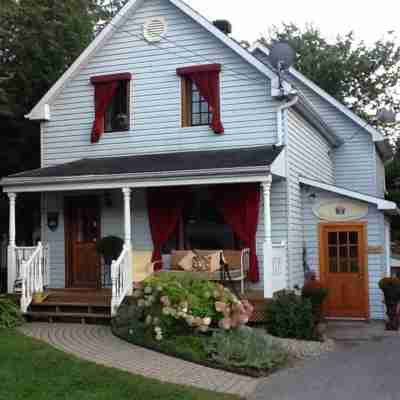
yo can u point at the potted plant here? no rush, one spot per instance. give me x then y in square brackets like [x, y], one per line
[391, 291]
[316, 292]
[39, 297]
[110, 248]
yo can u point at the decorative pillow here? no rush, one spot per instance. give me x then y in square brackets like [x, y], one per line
[186, 263]
[215, 264]
[201, 263]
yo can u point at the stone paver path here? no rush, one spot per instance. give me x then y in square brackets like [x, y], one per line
[98, 344]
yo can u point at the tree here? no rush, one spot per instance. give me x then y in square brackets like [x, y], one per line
[39, 40]
[363, 77]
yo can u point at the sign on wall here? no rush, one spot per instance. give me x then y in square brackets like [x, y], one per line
[340, 210]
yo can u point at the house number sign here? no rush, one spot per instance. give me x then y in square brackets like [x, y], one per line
[342, 210]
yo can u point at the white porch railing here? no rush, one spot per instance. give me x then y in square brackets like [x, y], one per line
[32, 277]
[276, 273]
[121, 277]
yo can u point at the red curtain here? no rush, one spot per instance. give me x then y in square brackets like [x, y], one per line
[206, 78]
[105, 87]
[240, 206]
[165, 208]
[103, 93]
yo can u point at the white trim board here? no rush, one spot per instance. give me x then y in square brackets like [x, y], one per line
[382, 204]
[42, 110]
[376, 135]
[132, 183]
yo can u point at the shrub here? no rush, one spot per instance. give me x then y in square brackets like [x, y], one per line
[10, 315]
[110, 248]
[316, 293]
[290, 316]
[390, 288]
[173, 304]
[245, 348]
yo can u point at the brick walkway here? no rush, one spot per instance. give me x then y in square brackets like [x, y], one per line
[98, 344]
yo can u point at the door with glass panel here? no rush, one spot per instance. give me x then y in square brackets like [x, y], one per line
[344, 269]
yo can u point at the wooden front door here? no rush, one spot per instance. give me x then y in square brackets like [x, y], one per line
[82, 231]
[344, 269]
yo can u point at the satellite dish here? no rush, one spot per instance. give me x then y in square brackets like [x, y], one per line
[282, 56]
[386, 116]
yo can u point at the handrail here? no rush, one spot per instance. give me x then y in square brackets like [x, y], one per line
[32, 277]
[121, 277]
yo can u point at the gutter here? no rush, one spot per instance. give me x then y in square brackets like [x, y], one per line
[238, 171]
[281, 130]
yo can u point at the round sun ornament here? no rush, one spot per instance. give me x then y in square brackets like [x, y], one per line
[154, 29]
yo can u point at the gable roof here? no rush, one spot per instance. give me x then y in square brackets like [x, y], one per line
[41, 111]
[146, 169]
[381, 204]
[375, 134]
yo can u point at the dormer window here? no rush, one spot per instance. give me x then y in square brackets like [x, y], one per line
[111, 104]
[201, 96]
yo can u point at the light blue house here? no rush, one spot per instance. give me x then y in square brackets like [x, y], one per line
[169, 134]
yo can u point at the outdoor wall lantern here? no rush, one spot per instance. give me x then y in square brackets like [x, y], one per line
[52, 221]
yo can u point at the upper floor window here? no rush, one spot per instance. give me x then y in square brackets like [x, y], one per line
[111, 104]
[117, 115]
[201, 96]
[195, 108]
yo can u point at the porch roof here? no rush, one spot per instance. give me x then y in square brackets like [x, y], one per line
[143, 170]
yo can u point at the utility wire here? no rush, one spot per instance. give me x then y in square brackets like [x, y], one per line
[226, 69]
[187, 49]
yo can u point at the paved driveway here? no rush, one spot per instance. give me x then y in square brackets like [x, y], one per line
[370, 371]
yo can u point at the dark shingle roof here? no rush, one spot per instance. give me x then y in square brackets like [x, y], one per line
[159, 163]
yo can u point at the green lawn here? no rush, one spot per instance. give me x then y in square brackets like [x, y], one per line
[31, 370]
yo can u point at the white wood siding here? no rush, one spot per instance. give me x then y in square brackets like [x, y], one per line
[248, 112]
[376, 262]
[380, 176]
[355, 167]
[308, 154]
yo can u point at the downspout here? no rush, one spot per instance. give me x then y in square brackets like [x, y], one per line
[281, 131]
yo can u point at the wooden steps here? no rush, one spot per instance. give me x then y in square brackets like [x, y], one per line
[82, 306]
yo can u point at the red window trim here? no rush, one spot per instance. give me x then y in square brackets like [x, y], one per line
[111, 78]
[198, 68]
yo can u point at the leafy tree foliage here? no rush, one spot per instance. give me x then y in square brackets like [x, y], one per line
[362, 77]
[39, 40]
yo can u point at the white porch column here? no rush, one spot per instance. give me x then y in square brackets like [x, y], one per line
[267, 245]
[127, 217]
[11, 261]
[128, 232]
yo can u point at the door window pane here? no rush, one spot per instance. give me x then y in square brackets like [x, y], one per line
[354, 266]
[333, 265]
[332, 251]
[332, 237]
[343, 252]
[344, 266]
[342, 237]
[353, 251]
[353, 237]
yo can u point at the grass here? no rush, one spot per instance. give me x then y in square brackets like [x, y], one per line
[32, 370]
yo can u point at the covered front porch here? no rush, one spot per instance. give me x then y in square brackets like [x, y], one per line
[76, 214]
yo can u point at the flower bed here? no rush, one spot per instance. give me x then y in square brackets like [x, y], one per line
[199, 321]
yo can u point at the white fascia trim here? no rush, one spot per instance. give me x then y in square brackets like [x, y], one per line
[134, 183]
[382, 204]
[42, 109]
[376, 135]
[109, 181]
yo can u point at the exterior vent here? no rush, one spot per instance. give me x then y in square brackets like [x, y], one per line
[154, 29]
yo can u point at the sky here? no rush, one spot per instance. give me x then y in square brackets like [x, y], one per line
[369, 19]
